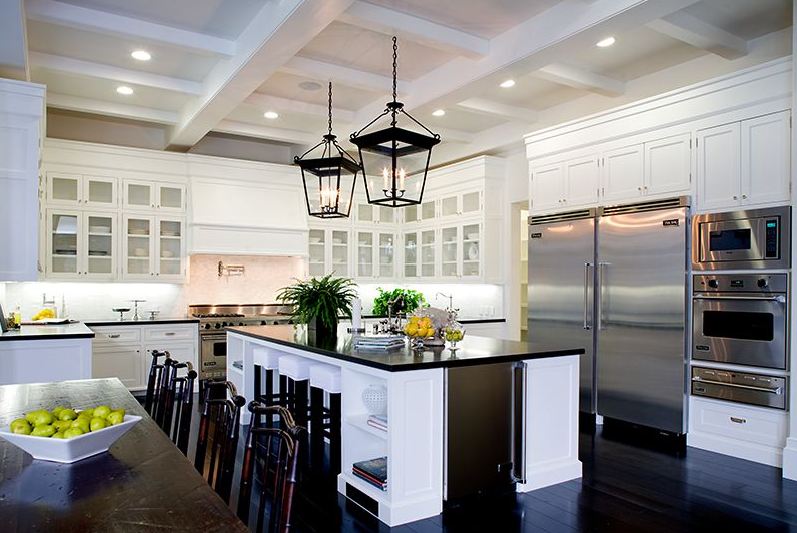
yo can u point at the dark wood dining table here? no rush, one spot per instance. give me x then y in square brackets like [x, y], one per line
[143, 483]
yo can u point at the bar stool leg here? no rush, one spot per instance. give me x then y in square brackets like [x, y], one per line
[269, 396]
[316, 426]
[334, 433]
[284, 392]
[300, 401]
[258, 390]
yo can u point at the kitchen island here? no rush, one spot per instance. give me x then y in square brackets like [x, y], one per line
[498, 411]
[44, 353]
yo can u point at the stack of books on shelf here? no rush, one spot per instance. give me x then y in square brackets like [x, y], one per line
[377, 421]
[379, 342]
[373, 471]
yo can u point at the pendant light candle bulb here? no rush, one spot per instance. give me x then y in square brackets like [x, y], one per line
[402, 175]
[384, 179]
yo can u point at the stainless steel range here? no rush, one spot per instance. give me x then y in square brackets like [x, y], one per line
[214, 319]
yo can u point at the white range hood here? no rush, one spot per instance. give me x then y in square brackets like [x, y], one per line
[245, 208]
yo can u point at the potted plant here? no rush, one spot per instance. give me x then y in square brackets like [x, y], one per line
[397, 301]
[319, 302]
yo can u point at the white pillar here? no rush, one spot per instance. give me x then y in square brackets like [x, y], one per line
[790, 452]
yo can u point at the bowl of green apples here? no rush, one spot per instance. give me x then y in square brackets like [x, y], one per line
[66, 435]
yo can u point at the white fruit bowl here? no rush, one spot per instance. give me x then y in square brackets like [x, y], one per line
[74, 449]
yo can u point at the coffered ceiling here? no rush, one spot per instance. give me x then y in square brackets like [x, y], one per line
[218, 65]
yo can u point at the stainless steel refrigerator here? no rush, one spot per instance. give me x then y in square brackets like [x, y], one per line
[616, 282]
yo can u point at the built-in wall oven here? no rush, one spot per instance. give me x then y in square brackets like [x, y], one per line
[742, 240]
[742, 387]
[741, 319]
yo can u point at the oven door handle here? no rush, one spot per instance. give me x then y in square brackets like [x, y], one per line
[776, 390]
[779, 298]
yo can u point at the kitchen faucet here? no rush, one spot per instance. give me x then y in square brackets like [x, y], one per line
[450, 299]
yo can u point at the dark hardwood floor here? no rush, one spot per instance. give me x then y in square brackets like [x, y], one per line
[629, 484]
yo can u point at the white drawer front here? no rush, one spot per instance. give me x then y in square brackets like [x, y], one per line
[113, 336]
[170, 333]
[758, 425]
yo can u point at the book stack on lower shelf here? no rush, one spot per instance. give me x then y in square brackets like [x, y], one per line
[372, 471]
[377, 421]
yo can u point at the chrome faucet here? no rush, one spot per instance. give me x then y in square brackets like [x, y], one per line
[450, 299]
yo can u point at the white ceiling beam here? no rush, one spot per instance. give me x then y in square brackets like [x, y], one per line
[107, 72]
[391, 22]
[13, 41]
[484, 106]
[275, 103]
[275, 34]
[350, 77]
[547, 38]
[72, 16]
[267, 132]
[111, 109]
[700, 34]
[581, 79]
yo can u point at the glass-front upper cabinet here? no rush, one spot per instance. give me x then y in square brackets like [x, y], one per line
[468, 203]
[100, 192]
[365, 254]
[387, 215]
[411, 255]
[150, 195]
[138, 246]
[139, 195]
[365, 212]
[171, 249]
[340, 252]
[386, 255]
[64, 188]
[171, 198]
[449, 260]
[471, 251]
[428, 253]
[64, 244]
[100, 245]
[72, 189]
[317, 253]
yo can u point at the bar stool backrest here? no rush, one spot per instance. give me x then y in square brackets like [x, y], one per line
[277, 449]
[222, 417]
[178, 404]
[154, 381]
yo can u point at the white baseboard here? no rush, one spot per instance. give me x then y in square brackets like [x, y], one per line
[790, 459]
[537, 478]
[758, 453]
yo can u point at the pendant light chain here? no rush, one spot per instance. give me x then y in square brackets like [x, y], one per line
[330, 108]
[395, 58]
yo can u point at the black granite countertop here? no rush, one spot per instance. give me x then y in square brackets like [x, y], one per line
[48, 332]
[473, 350]
[142, 322]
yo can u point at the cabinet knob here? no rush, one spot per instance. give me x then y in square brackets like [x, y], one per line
[744, 197]
[735, 197]
[639, 189]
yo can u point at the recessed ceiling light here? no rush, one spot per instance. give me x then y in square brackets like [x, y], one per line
[125, 90]
[439, 112]
[309, 86]
[603, 43]
[271, 115]
[507, 84]
[141, 55]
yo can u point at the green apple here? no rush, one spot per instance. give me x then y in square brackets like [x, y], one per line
[87, 412]
[73, 432]
[56, 410]
[19, 422]
[21, 430]
[67, 414]
[61, 425]
[31, 417]
[82, 423]
[98, 423]
[43, 418]
[102, 411]
[116, 417]
[58, 435]
[45, 430]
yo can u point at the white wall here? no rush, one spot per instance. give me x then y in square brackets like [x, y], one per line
[472, 300]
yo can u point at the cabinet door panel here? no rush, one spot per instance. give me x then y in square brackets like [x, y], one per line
[582, 181]
[139, 195]
[317, 252]
[122, 363]
[718, 166]
[668, 165]
[138, 246]
[64, 243]
[547, 187]
[765, 159]
[170, 246]
[64, 189]
[100, 192]
[100, 246]
[623, 173]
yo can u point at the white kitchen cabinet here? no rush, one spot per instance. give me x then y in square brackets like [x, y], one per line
[460, 204]
[765, 159]
[330, 251]
[719, 166]
[100, 235]
[428, 254]
[375, 255]
[125, 363]
[317, 252]
[582, 181]
[376, 214]
[386, 255]
[77, 190]
[139, 195]
[461, 251]
[668, 165]
[81, 245]
[153, 248]
[623, 174]
[450, 251]
[547, 187]
[154, 196]
[412, 252]
[170, 249]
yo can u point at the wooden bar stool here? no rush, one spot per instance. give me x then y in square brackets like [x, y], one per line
[154, 381]
[296, 370]
[325, 421]
[268, 361]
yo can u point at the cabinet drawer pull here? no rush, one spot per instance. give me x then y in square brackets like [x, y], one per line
[736, 420]
[114, 336]
[170, 333]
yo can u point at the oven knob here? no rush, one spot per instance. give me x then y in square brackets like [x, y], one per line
[217, 325]
[762, 283]
[240, 323]
[207, 326]
[263, 323]
[713, 283]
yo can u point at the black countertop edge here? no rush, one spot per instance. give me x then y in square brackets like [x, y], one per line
[142, 322]
[421, 365]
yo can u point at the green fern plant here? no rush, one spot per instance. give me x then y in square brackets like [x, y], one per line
[321, 299]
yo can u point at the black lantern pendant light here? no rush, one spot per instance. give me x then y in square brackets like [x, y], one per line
[397, 159]
[329, 175]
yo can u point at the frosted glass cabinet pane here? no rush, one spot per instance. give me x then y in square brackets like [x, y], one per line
[365, 212]
[170, 243]
[411, 213]
[317, 252]
[448, 206]
[340, 253]
[139, 240]
[427, 210]
[64, 243]
[100, 244]
[100, 192]
[450, 259]
[386, 215]
[471, 250]
[410, 255]
[171, 197]
[365, 254]
[386, 255]
[428, 245]
[139, 194]
[470, 202]
[64, 188]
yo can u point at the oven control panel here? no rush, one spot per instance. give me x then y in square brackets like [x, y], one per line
[771, 238]
[757, 283]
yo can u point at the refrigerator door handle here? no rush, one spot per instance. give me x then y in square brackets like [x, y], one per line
[587, 264]
[599, 289]
[519, 422]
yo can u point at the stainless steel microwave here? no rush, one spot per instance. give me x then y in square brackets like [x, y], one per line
[751, 239]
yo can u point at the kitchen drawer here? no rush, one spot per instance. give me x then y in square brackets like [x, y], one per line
[116, 336]
[170, 333]
[757, 425]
